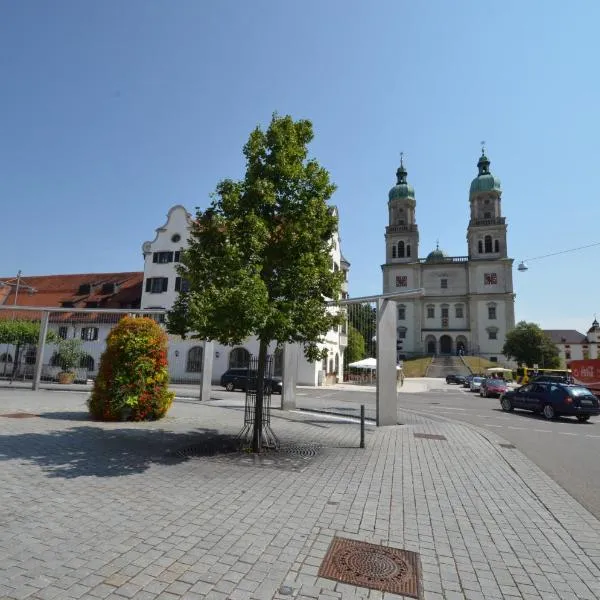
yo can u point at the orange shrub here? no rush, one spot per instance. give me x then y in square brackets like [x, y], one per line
[133, 377]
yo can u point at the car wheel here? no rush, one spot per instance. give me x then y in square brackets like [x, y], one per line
[229, 387]
[506, 405]
[549, 412]
[583, 418]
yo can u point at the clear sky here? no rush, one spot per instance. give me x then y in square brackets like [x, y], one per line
[113, 111]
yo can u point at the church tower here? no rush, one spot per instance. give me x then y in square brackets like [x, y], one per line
[486, 234]
[402, 233]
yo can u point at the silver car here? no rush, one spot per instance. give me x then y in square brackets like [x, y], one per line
[476, 383]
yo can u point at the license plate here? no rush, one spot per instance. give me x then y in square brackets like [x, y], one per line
[585, 402]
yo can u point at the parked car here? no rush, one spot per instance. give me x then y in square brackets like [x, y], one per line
[452, 378]
[237, 379]
[492, 387]
[553, 400]
[476, 383]
[467, 382]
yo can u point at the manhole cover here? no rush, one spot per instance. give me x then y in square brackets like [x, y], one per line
[430, 436]
[372, 566]
[19, 415]
[512, 446]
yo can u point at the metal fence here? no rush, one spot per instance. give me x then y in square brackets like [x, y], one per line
[84, 333]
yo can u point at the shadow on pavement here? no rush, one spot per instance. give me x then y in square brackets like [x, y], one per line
[88, 451]
[536, 417]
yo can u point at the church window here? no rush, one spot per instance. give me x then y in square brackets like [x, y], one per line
[401, 333]
[401, 280]
[459, 311]
[400, 221]
[480, 247]
[496, 245]
[490, 279]
[491, 311]
[488, 244]
[492, 334]
[444, 283]
[431, 312]
[400, 249]
[394, 251]
[487, 215]
[401, 312]
[487, 201]
[408, 250]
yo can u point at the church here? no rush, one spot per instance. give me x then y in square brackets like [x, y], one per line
[468, 305]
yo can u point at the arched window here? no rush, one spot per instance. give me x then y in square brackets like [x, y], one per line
[337, 362]
[278, 362]
[408, 250]
[480, 247]
[239, 358]
[324, 365]
[488, 244]
[496, 245]
[194, 360]
[5, 358]
[394, 251]
[87, 362]
[400, 249]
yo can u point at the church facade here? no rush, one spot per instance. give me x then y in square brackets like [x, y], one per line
[468, 305]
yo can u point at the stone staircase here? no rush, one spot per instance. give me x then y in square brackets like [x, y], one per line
[447, 365]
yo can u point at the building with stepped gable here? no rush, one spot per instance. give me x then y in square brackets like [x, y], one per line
[468, 304]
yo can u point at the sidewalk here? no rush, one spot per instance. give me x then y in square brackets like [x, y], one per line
[122, 510]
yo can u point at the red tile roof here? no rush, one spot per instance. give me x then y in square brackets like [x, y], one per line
[53, 291]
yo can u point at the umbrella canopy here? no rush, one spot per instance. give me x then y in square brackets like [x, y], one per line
[367, 363]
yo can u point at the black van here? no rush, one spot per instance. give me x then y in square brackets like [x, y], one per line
[237, 379]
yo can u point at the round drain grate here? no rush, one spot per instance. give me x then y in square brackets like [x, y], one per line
[373, 564]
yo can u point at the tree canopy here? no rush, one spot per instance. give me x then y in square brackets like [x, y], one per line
[20, 333]
[258, 260]
[528, 345]
[356, 349]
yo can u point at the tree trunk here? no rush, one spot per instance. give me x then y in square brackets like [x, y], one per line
[258, 407]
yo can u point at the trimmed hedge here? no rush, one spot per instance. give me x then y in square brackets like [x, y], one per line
[133, 377]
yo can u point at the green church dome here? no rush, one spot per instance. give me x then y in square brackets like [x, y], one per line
[436, 255]
[402, 189]
[485, 181]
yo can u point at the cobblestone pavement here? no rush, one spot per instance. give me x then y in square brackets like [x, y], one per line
[113, 511]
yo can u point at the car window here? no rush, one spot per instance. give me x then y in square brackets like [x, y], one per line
[526, 389]
[539, 389]
[579, 391]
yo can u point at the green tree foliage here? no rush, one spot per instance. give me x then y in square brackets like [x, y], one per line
[21, 333]
[133, 378]
[69, 354]
[356, 349]
[258, 260]
[529, 345]
[363, 317]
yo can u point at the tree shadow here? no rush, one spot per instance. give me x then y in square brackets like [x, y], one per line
[89, 451]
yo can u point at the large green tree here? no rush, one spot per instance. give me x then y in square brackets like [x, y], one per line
[356, 349]
[259, 257]
[363, 318]
[529, 345]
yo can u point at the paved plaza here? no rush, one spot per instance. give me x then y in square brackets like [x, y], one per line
[150, 511]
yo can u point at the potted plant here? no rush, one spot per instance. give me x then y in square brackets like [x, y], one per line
[68, 356]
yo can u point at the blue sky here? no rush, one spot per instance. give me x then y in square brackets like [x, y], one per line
[113, 111]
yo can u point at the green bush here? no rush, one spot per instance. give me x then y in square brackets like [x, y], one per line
[133, 377]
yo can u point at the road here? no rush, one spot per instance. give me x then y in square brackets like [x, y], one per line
[568, 451]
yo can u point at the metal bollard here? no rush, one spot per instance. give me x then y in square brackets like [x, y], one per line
[362, 425]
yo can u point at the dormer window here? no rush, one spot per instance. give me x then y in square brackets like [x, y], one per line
[84, 289]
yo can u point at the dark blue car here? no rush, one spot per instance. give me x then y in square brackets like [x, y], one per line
[552, 400]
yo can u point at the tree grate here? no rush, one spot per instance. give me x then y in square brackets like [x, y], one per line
[430, 436]
[373, 566]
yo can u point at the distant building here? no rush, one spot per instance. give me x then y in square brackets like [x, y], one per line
[573, 345]
[468, 304]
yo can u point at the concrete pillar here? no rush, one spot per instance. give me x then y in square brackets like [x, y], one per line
[387, 398]
[208, 352]
[39, 357]
[291, 354]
